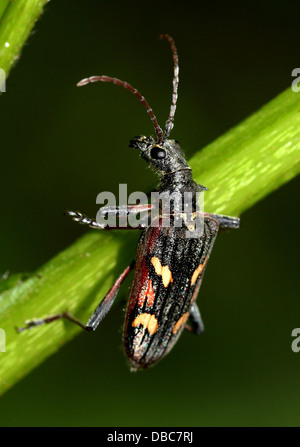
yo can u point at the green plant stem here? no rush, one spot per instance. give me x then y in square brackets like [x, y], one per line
[240, 168]
[17, 19]
[252, 159]
[3, 6]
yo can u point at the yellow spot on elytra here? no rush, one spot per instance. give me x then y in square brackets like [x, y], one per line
[197, 272]
[162, 271]
[148, 321]
[157, 265]
[180, 322]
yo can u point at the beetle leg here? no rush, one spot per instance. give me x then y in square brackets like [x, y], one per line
[85, 220]
[118, 211]
[124, 210]
[197, 326]
[225, 221]
[96, 317]
[107, 302]
[39, 321]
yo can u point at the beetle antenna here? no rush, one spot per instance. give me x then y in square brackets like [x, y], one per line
[133, 90]
[170, 120]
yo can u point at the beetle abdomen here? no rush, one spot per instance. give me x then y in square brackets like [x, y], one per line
[169, 268]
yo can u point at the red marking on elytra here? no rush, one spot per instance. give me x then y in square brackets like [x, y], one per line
[141, 278]
[150, 294]
[141, 300]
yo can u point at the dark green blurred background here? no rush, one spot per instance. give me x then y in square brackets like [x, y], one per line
[61, 146]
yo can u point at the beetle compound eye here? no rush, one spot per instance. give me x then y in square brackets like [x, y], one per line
[157, 153]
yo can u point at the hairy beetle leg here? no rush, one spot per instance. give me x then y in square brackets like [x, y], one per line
[121, 211]
[96, 317]
[197, 326]
[39, 321]
[225, 221]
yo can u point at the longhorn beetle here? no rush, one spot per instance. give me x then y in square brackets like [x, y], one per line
[169, 266]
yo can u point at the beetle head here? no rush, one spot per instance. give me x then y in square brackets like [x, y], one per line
[165, 157]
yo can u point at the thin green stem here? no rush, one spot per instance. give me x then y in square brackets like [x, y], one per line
[17, 19]
[252, 159]
[3, 6]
